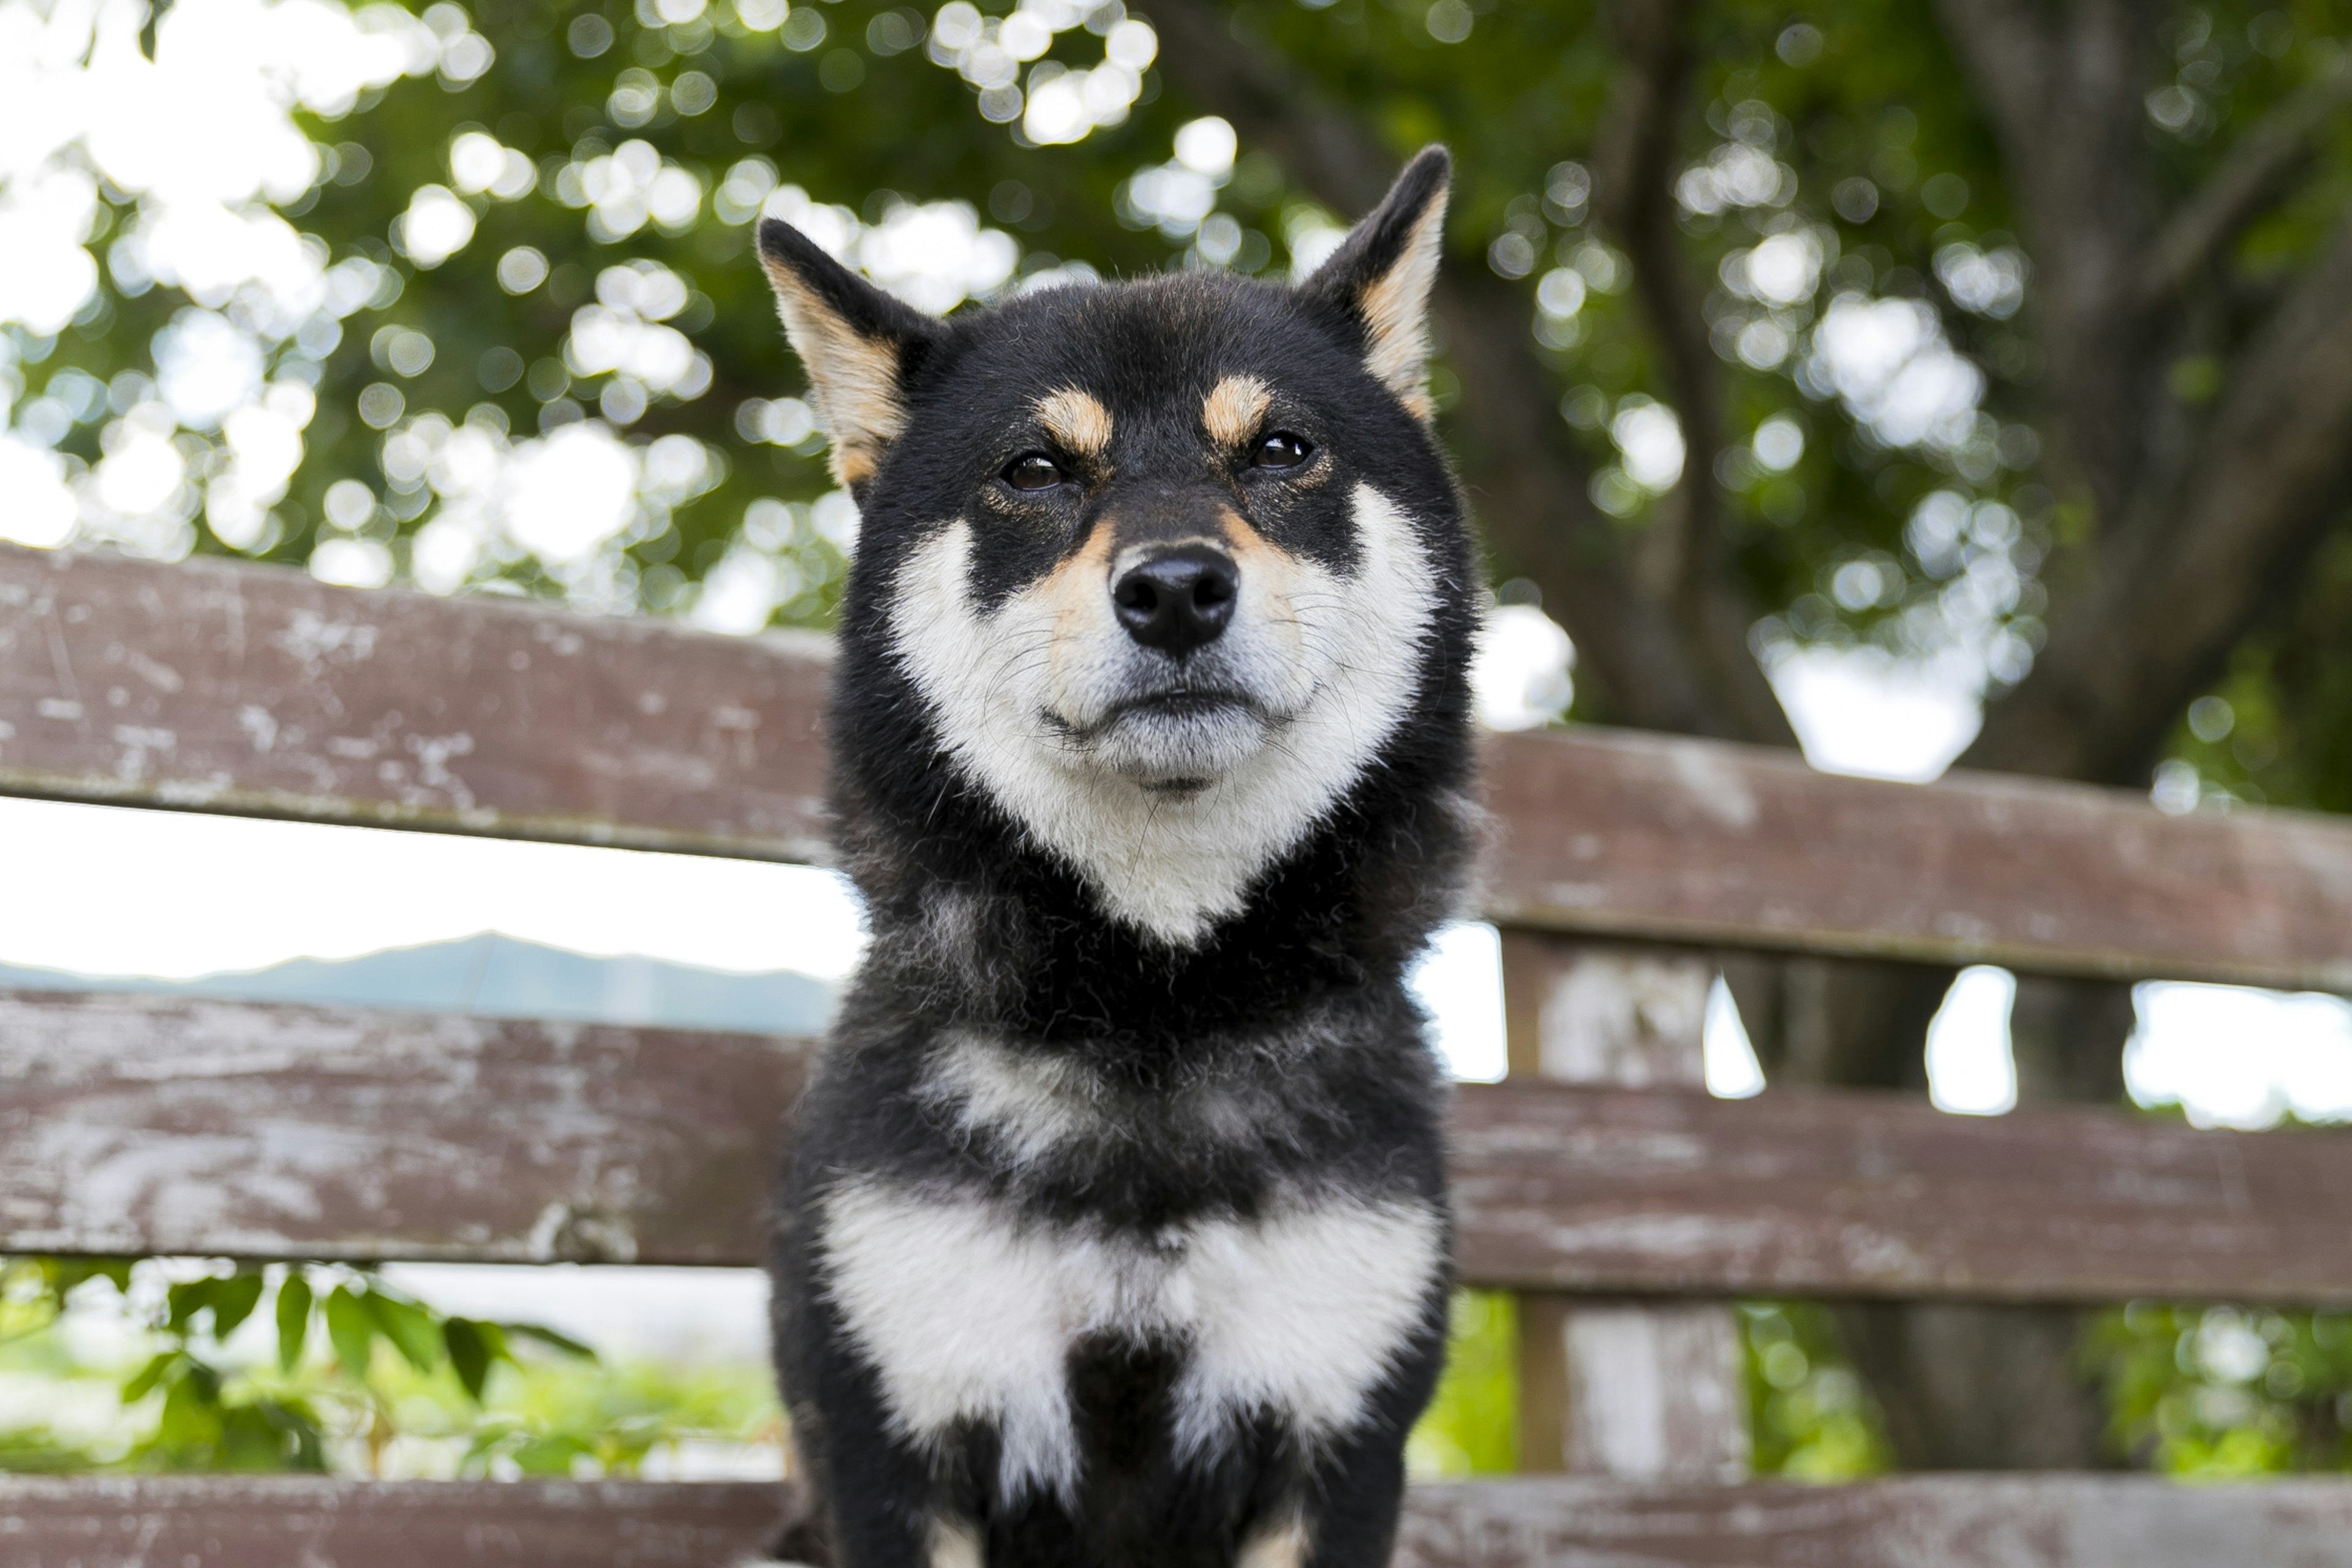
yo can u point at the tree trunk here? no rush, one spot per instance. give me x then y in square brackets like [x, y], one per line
[1967, 1388]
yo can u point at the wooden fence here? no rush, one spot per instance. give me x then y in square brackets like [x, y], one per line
[1624, 1204]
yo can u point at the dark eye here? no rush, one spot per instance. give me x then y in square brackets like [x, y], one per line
[1033, 471]
[1280, 451]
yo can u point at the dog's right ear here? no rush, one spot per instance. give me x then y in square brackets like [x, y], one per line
[1378, 282]
[859, 344]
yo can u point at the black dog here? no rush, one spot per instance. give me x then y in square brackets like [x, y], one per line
[1115, 1231]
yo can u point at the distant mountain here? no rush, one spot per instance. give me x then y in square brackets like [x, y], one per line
[495, 976]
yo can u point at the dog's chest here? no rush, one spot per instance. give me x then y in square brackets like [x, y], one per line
[970, 1314]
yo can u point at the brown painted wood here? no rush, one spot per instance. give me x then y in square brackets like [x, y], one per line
[1939, 1521]
[1823, 1192]
[1950, 1521]
[1640, 835]
[1651, 1390]
[256, 689]
[286, 1521]
[245, 689]
[144, 1124]
[133, 1124]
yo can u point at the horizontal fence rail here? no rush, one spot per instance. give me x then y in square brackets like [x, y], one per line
[254, 689]
[139, 1124]
[257, 690]
[1951, 1521]
[1855, 1193]
[133, 1124]
[1622, 833]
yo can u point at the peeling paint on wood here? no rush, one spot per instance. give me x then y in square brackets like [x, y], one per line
[1950, 1521]
[138, 1123]
[237, 687]
[1853, 1194]
[251, 689]
[1919, 1521]
[287, 1522]
[1642, 835]
[1652, 1391]
[135, 1124]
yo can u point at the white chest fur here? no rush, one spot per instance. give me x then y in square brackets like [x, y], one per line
[968, 1314]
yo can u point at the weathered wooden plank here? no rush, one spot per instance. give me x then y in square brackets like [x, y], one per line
[1628, 834]
[139, 1124]
[247, 689]
[1841, 1194]
[1652, 1391]
[256, 689]
[134, 1124]
[1920, 1521]
[287, 1522]
[1950, 1521]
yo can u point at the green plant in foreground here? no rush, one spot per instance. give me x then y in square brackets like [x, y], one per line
[216, 1411]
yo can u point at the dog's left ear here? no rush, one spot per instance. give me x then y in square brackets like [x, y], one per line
[859, 344]
[1378, 281]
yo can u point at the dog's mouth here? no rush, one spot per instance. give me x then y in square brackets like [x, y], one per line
[1159, 708]
[1173, 743]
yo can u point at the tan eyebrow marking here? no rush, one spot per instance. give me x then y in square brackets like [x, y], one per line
[1076, 420]
[1232, 408]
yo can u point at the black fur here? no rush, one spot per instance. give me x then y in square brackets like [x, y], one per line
[1280, 1053]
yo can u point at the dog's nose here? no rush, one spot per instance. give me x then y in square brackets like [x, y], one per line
[1177, 601]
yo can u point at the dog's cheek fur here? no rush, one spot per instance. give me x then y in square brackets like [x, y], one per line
[1348, 649]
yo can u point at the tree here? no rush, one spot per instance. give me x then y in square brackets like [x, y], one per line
[2014, 337]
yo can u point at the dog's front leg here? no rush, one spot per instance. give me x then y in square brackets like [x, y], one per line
[885, 1510]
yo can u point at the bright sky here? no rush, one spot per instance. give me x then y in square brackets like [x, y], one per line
[177, 894]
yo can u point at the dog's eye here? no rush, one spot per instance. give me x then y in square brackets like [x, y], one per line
[1033, 471]
[1280, 451]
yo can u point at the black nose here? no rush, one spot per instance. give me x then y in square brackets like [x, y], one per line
[1177, 601]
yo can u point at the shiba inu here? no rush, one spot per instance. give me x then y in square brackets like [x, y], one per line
[1114, 1229]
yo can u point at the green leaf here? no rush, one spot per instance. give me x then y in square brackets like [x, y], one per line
[293, 1319]
[409, 1328]
[469, 1354]
[148, 1377]
[183, 1301]
[233, 1300]
[352, 1330]
[550, 1338]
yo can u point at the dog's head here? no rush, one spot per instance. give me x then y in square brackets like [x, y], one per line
[1166, 565]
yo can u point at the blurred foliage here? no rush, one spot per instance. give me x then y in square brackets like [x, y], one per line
[321, 1367]
[1837, 155]
[2227, 1391]
[1810, 1415]
[1471, 1428]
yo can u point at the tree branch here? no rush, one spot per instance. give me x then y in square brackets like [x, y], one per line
[2250, 177]
[2007, 51]
[2063, 86]
[2165, 599]
[1635, 166]
[1635, 658]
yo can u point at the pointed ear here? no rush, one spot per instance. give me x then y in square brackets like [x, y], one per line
[1378, 280]
[859, 344]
